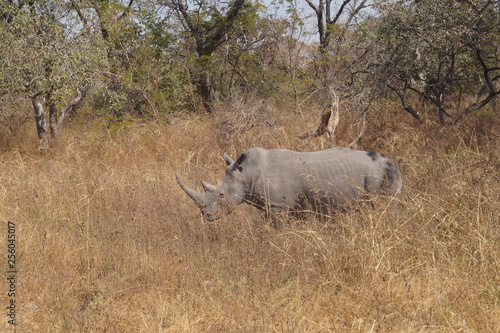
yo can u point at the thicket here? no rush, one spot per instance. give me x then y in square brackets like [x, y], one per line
[119, 60]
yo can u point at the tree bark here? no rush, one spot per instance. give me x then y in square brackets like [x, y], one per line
[489, 86]
[54, 128]
[402, 96]
[56, 118]
[205, 91]
[325, 127]
[41, 126]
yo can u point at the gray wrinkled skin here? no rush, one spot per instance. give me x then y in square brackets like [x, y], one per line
[282, 180]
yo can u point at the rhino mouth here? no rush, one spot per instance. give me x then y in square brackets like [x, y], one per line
[211, 217]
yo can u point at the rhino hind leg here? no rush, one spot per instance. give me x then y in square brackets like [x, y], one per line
[391, 185]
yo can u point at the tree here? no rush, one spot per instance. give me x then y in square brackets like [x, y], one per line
[344, 46]
[328, 21]
[209, 26]
[138, 78]
[442, 51]
[41, 62]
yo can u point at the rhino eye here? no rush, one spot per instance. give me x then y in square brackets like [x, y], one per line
[221, 195]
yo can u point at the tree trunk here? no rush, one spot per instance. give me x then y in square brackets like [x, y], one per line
[206, 95]
[53, 122]
[208, 35]
[402, 97]
[41, 127]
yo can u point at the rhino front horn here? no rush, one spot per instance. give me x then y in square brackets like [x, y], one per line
[197, 197]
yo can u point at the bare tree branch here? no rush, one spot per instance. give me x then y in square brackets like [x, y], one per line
[492, 91]
[402, 97]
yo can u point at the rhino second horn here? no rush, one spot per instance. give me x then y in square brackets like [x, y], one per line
[197, 197]
[208, 187]
[228, 159]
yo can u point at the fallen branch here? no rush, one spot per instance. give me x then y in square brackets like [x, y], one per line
[327, 125]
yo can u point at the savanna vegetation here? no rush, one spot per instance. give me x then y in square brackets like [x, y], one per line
[103, 103]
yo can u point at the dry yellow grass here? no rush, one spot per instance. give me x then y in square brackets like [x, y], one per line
[107, 241]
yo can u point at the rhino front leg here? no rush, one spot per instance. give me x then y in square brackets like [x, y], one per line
[276, 214]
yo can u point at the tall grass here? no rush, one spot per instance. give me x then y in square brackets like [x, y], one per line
[109, 243]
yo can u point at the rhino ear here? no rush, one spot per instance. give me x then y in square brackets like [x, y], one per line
[239, 162]
[228, 159]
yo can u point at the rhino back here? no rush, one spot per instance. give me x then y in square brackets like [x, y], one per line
[285, 177]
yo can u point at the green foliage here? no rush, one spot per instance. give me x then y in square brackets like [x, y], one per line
[142, 79]
[439, 49]
[40, 58]
[160, 58]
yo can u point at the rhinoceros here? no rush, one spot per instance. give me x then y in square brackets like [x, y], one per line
[281, 180]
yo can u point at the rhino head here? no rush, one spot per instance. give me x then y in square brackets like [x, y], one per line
[218, 200]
